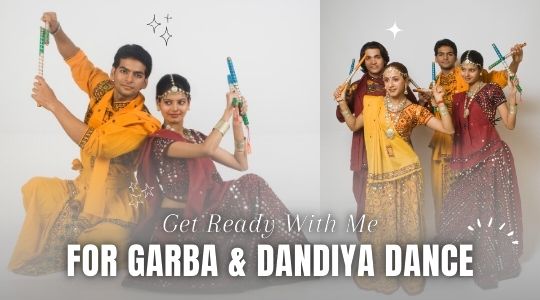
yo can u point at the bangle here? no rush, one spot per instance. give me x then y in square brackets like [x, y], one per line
[57, 28]
[439, 102]
[222, 126]
[239, 146]
[346, 113]
[513, 109]
[443, 110]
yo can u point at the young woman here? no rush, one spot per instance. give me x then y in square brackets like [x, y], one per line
[394, 194]
[179, 164]
[483, 205]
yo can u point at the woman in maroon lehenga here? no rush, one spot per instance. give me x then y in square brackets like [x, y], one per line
[483, 206]
[178, 164]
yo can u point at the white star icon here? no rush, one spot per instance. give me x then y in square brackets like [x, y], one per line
[147, 190]
[133, 186]
[394, 29]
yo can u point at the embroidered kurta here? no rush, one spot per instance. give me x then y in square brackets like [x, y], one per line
[95, 207]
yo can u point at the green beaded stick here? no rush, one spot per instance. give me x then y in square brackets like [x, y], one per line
[43, 41]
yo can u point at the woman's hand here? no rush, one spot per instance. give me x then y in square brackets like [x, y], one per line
[43, 94]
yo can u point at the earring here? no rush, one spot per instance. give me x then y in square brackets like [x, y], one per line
[406, 92]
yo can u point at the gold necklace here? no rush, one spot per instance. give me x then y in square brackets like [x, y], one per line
[390, 133]
[469, 99]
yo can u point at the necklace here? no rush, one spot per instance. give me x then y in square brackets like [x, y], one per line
[470, 97]
[185, 132]
[392, 119]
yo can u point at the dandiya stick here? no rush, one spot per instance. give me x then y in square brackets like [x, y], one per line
[360, 62]
[500, 60]
[518, 87]
[43, 41]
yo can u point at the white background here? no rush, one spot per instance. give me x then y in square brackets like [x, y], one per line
[275, 48]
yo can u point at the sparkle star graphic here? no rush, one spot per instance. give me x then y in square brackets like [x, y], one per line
[166, 36]
[394, 29]
[135, 200]
[154, 24]
[147, 190]
[132, 187]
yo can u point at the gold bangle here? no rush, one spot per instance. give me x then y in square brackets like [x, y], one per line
[513, 109]
[443, 110]
[239, 146]
[222, 126]
[346, 113]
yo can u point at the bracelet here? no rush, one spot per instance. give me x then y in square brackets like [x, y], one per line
[439, 102]
[443, 110]
[346, 113]
[57, 28]
[513, 109]
[239, 146]
[222, 126]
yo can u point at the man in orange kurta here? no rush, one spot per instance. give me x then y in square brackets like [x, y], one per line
[451, 80]
[96, 207]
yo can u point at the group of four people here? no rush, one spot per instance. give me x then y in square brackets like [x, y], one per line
[473, 173]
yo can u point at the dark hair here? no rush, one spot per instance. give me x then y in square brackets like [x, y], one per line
[445, 42]
[136, 52]
[401, 67]
[165, 84]
[473, 56]
[374, 45]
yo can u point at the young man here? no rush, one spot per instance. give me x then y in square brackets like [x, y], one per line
[371, 83]
[451, 80]
[95, 207]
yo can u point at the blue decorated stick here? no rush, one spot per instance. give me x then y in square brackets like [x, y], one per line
[503, 61]
[352, 67]
[433, 76]
[233, 81]
[500, 60]
[233, 84]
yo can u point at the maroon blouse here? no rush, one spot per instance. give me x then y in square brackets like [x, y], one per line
[475, 136]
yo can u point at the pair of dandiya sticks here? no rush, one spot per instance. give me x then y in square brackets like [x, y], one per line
[502, 59]
[44, 32]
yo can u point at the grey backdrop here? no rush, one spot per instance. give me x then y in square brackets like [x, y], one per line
[347, 24]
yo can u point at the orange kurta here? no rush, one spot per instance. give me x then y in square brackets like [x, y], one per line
[96, 206]
[441, 143]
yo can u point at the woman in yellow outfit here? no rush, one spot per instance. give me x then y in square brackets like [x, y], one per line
[394, 194]
[95, 207]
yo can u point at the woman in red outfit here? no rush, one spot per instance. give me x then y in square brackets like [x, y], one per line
[483, 206]
[179, 164]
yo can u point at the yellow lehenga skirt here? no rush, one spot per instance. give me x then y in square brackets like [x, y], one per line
[394, 197]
